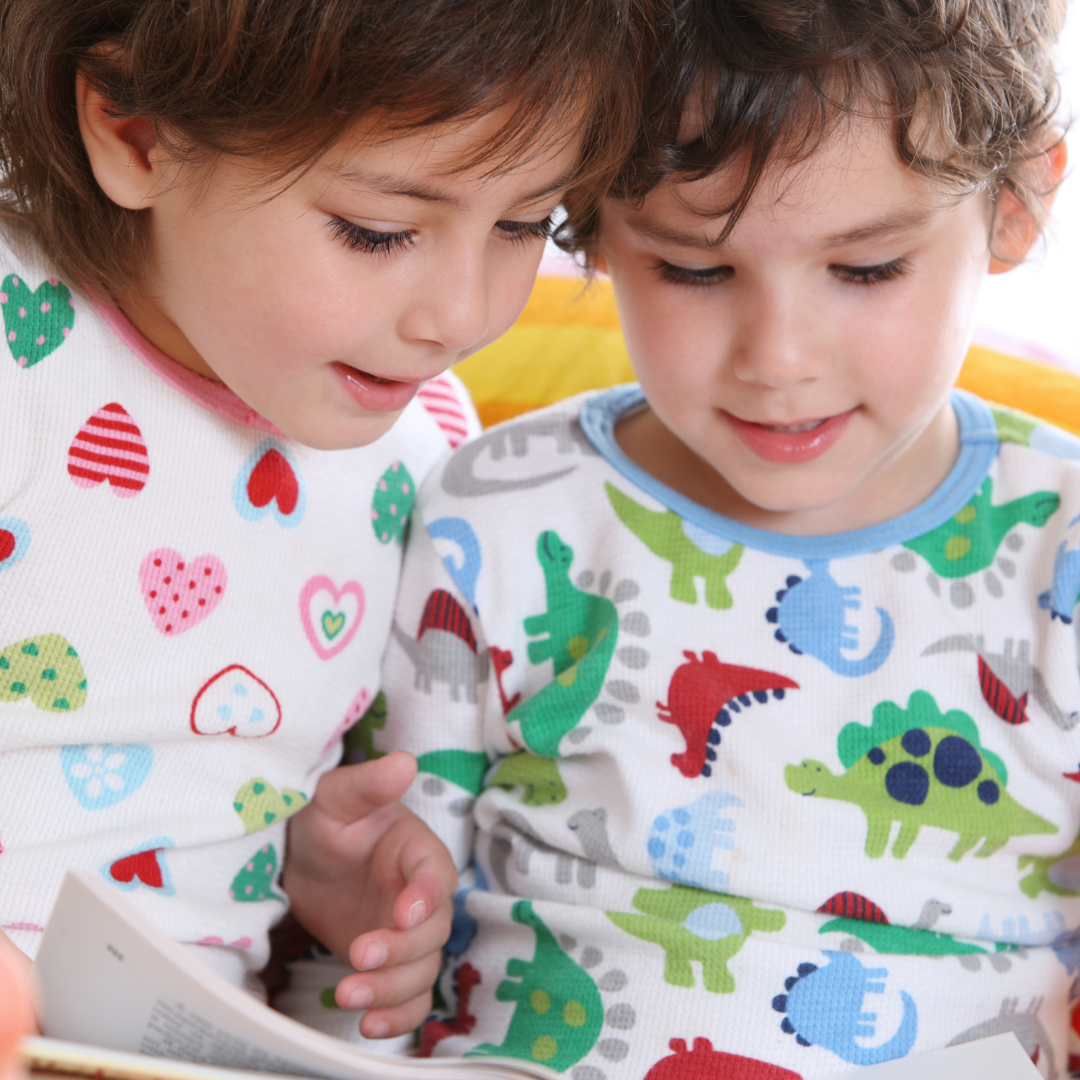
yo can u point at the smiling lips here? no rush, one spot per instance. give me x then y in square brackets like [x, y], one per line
[790, 444]
[374, 393]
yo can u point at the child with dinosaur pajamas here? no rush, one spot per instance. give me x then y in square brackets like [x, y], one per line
[747, 698]
[242, 243]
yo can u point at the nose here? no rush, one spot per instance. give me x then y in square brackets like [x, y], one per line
[776, 342]
[450, 303]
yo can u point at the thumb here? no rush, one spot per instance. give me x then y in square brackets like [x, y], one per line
[350, 792]
[16, 1013]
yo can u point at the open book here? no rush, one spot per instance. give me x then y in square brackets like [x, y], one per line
[115, 984]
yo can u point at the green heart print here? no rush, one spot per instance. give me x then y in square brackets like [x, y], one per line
[332, 622]
[35, 323]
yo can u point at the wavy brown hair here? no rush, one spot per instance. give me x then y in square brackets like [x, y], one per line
[967, 87]
[281, 81]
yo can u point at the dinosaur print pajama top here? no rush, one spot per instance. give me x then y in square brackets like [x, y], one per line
[728, 802]
[192, 609]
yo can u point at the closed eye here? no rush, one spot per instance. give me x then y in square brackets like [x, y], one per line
[357, 238]
[683, 275]
[871, 275]
[521, 232]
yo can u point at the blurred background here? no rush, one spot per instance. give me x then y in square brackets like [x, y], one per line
[1034, 310]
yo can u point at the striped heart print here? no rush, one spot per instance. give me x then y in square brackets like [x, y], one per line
[110, 446]
[440, 397]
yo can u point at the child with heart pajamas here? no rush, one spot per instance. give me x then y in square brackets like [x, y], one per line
[750, 694]
[242, 243]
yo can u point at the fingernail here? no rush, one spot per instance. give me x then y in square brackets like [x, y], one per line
[378, 1029]
[417, 914]
[374, 956]
[360, 997]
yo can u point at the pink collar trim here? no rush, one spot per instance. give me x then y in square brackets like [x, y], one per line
[213, 396]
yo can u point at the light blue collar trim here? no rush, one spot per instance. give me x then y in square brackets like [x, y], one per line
[978, 448]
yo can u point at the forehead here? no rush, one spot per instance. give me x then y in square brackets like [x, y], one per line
[853, 177]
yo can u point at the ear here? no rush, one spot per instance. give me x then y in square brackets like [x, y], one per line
[124, 151]
[1014, 230]
[600, 262]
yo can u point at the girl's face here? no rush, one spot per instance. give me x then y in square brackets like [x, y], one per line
[326, 303]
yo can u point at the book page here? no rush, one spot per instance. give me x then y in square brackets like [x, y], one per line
[998, 1058]
[109, 978]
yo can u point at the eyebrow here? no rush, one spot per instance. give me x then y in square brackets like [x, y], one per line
[888, 226]
[386, 184]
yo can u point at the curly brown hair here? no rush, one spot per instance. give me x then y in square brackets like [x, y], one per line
[281, 81]
[968, 88]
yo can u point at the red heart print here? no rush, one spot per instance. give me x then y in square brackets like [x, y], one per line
[7, 544]
[142, 865]
[273, 478]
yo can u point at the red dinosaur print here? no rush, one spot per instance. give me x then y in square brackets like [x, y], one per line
[501, 659]
[705, 1063]
[434, 1031]
[443, 612]
[703, 694]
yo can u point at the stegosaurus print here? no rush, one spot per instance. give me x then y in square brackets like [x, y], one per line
[918, 767]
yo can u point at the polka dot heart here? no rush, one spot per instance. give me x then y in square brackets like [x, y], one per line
[180, 593]
[36, 322]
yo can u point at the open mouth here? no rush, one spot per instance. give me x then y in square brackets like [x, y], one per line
[375, 393]
[790, 444]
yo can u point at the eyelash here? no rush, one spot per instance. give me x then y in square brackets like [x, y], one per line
[714, 275]
[680, 275]
[357, 238]
[871, 275]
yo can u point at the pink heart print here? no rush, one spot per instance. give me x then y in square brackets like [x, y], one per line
[180, 593]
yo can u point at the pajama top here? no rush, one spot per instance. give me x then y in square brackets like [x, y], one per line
[739, 803]
[192, 609]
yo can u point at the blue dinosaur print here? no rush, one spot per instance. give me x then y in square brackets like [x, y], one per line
[464, 926]
[811, 618]
[823, 1006]
[460, 532]
[683, 840]
[1063, 594]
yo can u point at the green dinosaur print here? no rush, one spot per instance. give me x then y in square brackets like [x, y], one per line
[902, 940]
[1043, 873]
[968, 542]
[1013, 426]
[362, 733]
[692, 924]
[539, 776]
[921, 767]
[581, 630]
[663, 532]
[465, 768]
[558, 1012]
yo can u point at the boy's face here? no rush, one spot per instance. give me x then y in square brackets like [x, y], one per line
[798, 374]
[326, 305]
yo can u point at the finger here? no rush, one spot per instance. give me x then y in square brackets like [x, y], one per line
[396, 1020]
[388, 986]
[354, 791]
[430, 880]
[392, 948]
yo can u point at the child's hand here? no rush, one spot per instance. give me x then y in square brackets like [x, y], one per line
[16, 1011]
[372, 882]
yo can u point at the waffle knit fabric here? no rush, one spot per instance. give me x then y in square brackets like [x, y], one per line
[731, 802]
[192, 609]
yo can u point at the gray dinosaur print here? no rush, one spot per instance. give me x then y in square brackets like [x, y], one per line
[1026, 1026]
[441, 656]
[1014, 668]
[460, 480]
[591, 829]
[514, 836]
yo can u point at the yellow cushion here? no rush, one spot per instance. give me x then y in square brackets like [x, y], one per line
[568, 340]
